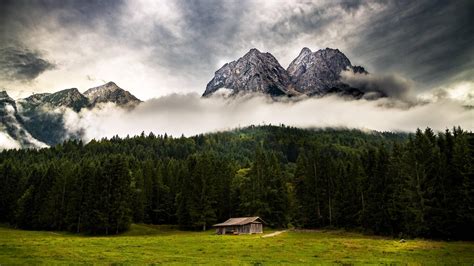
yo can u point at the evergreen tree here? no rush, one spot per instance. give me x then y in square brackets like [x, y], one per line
[117, 173]
[417, 185]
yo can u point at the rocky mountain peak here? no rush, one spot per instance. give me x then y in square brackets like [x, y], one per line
[319, 72]
[5, 97]
[359, 69]
[333, 58]
[298, 64]
[252, 52]
[72, 92]
[111, 86]
[305, 50]
[110, 92]
[254, 72]
[70, 98]
[36, 98]
[34, 122]
[310, 73]
[257, 57]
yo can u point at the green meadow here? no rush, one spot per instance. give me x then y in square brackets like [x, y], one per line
[167, 245]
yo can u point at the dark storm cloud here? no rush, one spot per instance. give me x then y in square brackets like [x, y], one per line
[214, 29]
[351, 5]
[305, 21]
[18, 17]
[428, 41]
[210, 30]
[311, 19]
[84, 11]
[393, 86]
[21, 64]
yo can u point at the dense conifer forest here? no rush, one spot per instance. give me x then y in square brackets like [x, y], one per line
[405, 185]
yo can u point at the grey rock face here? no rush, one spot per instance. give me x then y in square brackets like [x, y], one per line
[317, 73]
[73, 99]
[40, 119]
[33, 121]
[45, 124]
[298, 66]
[70, 98]
[110, 92]
[254, 72]
[312, 74]
[359, 69]
[4, 97]
[36, 99]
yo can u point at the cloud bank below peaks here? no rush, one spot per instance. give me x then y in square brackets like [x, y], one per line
[189, 114]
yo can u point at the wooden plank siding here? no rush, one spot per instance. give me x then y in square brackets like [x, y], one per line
[253, 228]
[241, 225]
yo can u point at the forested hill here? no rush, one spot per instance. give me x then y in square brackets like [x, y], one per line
[385, 183]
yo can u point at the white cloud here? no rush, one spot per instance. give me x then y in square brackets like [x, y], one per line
[462, 92]
[189, 114]
[7, 142]
[23, 136]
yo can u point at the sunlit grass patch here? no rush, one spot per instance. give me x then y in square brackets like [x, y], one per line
[168, 245]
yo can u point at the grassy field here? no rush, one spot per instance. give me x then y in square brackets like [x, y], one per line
[161, 244]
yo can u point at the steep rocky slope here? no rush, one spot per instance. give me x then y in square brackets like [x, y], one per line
[254, 72]
[311, 73]
[110, 92]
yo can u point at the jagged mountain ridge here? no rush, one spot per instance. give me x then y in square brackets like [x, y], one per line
[72, 98]
[318, 73]
[41, 119]
[309, 74]
[110, 92]
[34, 122]
[254, 72]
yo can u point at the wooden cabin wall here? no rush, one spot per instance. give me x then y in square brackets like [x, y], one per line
[256, 228]
[253, 228]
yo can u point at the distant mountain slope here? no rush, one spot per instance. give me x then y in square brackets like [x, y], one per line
[70, 98]
[12, 124]
[38, 119]
[110, 92]
[41, 119]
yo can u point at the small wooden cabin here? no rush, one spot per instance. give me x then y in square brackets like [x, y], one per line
[241, 225]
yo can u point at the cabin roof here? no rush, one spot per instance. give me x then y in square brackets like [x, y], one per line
[240, 221]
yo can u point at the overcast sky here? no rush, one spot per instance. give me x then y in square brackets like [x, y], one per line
[154, 48]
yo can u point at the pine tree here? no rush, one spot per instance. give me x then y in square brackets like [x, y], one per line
[276, 194]
[10, 177]
[117, 172]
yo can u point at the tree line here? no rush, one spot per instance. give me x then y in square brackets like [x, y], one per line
[408, 185]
